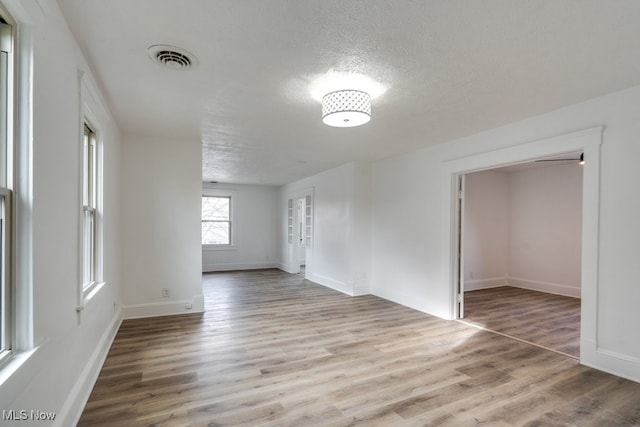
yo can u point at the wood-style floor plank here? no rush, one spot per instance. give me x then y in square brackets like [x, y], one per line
[274, 349]
[548, 320]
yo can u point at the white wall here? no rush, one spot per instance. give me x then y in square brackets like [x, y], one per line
[69, 345]
[486, 230]
[255, 231]
[161, 197]
[545, 229]
[341, 250]
[409, 225]
[412, 213]
[360, 237]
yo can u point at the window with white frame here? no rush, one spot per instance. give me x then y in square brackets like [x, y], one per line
[94, 121]
[216, 220]
[6, 181]
[89, 206]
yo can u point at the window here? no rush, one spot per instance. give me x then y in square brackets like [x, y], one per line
[92, 124]
[89, 207]
[216, 220]
[6, 172]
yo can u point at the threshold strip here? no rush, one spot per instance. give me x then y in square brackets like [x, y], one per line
[482, 328]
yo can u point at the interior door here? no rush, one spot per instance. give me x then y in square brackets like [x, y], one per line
[293, 238]
[300, 232]
[301, 228]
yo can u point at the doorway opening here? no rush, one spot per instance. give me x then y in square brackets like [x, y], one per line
[299, 233]
[588, 142]
[520, 251]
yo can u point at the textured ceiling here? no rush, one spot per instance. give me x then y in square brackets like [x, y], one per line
[438, 69]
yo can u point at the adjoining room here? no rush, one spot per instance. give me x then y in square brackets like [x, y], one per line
[522, 240]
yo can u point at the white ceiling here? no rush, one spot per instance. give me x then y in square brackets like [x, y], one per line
[444, 69]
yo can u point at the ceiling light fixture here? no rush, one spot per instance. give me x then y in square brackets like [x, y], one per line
[346, 108]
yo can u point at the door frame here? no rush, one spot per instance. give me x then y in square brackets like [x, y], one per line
[589, 142]
[459, 218]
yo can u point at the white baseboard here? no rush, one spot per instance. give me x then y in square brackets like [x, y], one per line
[155, 309]
[361, 290]
[552, 288]
[330, 283]
[407, 301]
[492, 282]
[71, 410]
[609, 361]
[208, 268]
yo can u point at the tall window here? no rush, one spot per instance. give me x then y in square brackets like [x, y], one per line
[6, 169]
[89, 207]
[216, 220]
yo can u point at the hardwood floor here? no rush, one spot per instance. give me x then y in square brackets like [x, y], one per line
[274, 349]
[551, 321]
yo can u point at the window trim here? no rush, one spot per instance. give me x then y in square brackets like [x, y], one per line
[8, 321]
[231, 194]
[23, 346]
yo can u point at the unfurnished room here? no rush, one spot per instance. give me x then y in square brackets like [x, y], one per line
[521, 228]
[319, 213]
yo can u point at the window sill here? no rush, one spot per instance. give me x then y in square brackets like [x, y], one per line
[213, 248]
[89, 293]
[14, 363]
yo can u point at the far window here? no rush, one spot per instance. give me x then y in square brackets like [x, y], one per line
[92, 141]
[216, 220]
[89, 207]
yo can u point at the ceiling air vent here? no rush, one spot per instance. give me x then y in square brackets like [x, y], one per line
[172, 57]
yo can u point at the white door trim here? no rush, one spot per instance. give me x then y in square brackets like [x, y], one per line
[589, 141]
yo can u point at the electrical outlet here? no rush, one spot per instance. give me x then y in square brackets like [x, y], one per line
[188, 306]
[165, 292]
